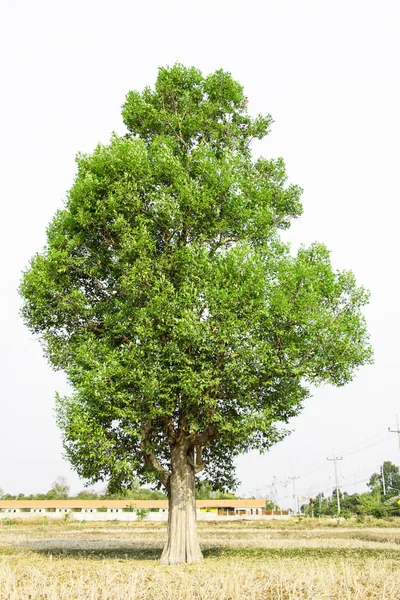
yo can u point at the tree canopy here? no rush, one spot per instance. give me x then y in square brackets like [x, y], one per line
[167, 296]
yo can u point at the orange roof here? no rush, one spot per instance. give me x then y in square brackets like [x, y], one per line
[71, 504]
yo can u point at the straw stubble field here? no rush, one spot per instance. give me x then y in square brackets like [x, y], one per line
[243, 560]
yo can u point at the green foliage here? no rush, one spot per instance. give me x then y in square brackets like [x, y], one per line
[135, 492]
[367, 504]
[87, 495]
[59, 490]
[166, 295]
[379, 511]
[360, 519]
[391, 474]
[373, 503]
[141, 513]
[205, 491]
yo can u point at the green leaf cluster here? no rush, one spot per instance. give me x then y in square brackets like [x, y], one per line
[167, 296]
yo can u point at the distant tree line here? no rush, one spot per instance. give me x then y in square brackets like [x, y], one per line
[60, 490]
[380, 501]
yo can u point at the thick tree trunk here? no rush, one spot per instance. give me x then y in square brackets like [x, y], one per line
[182, 544]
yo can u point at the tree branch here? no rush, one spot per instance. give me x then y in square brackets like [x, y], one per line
[202, 438]
[178, 135]
[151, 459]
[169, 430]
[224, 242]
[198, 464]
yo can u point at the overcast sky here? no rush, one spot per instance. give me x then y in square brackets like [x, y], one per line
[327, 72]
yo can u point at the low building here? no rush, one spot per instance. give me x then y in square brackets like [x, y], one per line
[129, 510]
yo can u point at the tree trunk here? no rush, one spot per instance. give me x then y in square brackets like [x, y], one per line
[182, 544]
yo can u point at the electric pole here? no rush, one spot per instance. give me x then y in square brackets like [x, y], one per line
[396, 430]
[383, 480]
[335, 459]
[284, 483]
[294, 494]
[272, 493]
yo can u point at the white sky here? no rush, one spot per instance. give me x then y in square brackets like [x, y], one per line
[327, 72]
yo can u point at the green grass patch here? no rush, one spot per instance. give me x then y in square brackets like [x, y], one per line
[302, 553]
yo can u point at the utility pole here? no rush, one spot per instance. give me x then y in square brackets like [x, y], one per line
[272, 493]
[383, 480]
[284, 483]
[396, 430]
[335, 459]
[295, 507]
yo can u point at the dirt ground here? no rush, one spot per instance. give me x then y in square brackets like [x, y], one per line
[242, 560]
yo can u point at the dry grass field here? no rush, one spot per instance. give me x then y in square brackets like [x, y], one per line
[244, 560]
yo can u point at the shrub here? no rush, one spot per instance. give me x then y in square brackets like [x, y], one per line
[379, 512]
[141, 513]
[360, 519]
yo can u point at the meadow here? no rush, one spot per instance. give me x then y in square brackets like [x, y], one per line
[243, 560]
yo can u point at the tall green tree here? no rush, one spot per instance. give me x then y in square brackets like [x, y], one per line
[391, 477]
[186, 327]
[59, 490]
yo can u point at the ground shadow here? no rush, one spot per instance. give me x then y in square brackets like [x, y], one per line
[154, 554]
[150, 554]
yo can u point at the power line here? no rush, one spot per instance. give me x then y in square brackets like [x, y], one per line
[358, 473]
[365, 447]
[344, 487]
[396, 430]
[349, 454]
[346, 455]
[364, 444]
[364, 441]
[316, 470]
[356, 448]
